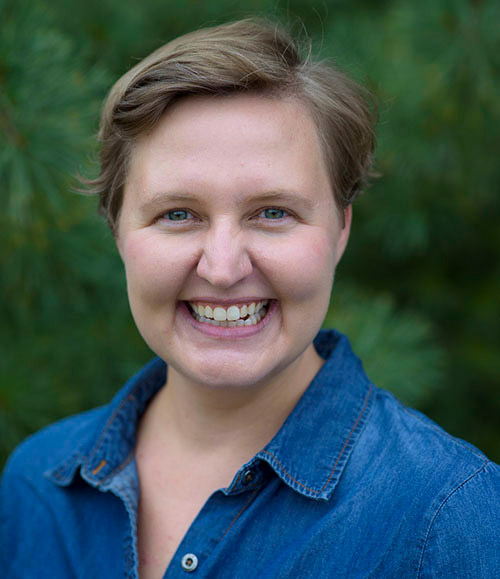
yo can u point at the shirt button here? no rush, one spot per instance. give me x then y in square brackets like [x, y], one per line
[248, 476]
[189, 562]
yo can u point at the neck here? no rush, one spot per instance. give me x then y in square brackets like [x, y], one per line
[229, 422]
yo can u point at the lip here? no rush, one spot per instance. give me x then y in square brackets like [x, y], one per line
[228, 333]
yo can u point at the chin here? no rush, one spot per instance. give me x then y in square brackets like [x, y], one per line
[232, 375]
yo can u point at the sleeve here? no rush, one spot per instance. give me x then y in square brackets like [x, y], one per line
[463, 540]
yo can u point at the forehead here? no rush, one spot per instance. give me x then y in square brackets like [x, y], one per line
[239, 143]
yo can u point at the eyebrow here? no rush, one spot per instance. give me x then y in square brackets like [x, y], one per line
[159, 199]
[271, 197]
[284, 197]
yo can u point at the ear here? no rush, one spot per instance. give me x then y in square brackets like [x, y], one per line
[343, 235]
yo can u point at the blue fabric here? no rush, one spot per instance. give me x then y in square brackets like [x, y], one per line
[353, 485]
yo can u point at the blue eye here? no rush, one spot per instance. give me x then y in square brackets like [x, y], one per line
[177, 215]
[274, 213]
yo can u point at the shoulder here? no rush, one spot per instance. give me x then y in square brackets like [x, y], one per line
[463, 538]
[69, 440]
[411, 436]
[412, 448]
[451, 491]
[30, 504]
[48, 447]
[51, 481]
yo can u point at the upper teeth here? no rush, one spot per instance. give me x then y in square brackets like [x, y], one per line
[231, 313]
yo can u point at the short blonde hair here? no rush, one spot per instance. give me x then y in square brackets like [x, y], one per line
[249, 55]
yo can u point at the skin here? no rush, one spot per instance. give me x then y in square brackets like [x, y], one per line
[225, 161]
[256, 219]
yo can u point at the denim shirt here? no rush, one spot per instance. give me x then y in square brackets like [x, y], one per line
[354, 485]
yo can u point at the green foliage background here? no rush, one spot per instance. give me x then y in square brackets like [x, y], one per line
[418, 290]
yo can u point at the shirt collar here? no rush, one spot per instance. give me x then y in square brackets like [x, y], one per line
[109, 440]
[308, 453]
[313, 446]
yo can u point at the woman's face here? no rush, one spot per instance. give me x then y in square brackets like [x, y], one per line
[228, 208]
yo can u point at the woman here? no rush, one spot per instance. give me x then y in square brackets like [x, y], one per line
[260, 449]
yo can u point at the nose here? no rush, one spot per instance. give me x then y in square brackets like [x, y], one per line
[225, 259]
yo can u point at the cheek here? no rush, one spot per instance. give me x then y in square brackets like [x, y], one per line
[153, 268]
[302, 268]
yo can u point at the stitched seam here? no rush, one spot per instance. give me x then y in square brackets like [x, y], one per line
[59, 476]
[288, 474]
[129, 564]
[237, 479]
[426, 540]
[118, 468]
[338, 457]
[250, 499]
[128, 399]
[112, 473]
[367, 398]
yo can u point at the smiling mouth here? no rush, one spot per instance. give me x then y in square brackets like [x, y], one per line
[229, 317]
